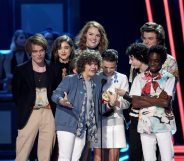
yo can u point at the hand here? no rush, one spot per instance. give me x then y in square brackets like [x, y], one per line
[113, 98]
[64, 73]
[163, 94]
[65, 102]
[120, 92]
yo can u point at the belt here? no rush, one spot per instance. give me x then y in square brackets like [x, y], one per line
[44, 107]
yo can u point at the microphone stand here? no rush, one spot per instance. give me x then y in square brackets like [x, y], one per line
[103, 82]
[101, 122]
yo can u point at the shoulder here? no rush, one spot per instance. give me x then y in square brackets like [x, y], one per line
[24, 68]
[24, 65]
[121, 75]
[170, 58]
[166, 74]
[99, 76]
[78, 51]
[140, 76]
[69, 80]
[73, 77]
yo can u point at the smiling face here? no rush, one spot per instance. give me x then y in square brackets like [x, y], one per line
[154, 62]
[93, 37]
[64, 51]
[90, 70]
[135, 62]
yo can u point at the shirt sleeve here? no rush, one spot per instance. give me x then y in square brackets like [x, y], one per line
[59, 92]
[136, 86]
[124, 104]
[170, 86]
[171, 66]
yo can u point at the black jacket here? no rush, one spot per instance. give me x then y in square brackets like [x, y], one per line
[24, 93]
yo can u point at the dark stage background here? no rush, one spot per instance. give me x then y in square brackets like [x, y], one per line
[121, 20]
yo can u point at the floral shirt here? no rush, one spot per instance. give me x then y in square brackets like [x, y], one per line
[170, 65]
[154, 119]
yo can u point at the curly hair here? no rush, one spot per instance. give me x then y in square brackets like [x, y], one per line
[81, 37]
[139, 51]
[88, 57]
[160, 50]
[57, 44]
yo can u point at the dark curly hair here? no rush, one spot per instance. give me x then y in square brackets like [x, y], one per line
[88, 57]
[139, 51]
[159, 49]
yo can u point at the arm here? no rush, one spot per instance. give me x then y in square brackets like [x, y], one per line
[16, 84]
[163, 100]
[59, 95]
[64, 101]
[171, 66]
[124, 103]
[147, 101]
[7, 65]
[120, 102]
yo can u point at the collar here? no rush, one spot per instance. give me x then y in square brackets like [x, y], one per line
[148, 75]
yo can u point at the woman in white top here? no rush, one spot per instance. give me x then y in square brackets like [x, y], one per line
[113, 131]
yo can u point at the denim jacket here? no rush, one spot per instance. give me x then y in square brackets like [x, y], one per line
[66, 119]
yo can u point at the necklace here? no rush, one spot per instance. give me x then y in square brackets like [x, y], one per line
[63, 61]
[39, 69]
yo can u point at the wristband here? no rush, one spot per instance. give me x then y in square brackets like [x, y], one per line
[127, 97]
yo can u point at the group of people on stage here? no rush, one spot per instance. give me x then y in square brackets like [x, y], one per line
[76, 100]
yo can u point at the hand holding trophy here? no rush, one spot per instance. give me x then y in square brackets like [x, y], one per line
[109, 100]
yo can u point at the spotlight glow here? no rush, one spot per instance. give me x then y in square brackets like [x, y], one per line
[149, 11]
[182, 16]
[171, 41]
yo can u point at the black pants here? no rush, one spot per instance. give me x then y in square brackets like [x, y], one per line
[136, 153]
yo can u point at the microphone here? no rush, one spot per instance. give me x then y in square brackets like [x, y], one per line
[103, 82]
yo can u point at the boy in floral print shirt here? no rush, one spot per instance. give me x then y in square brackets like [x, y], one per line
[152, 92]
